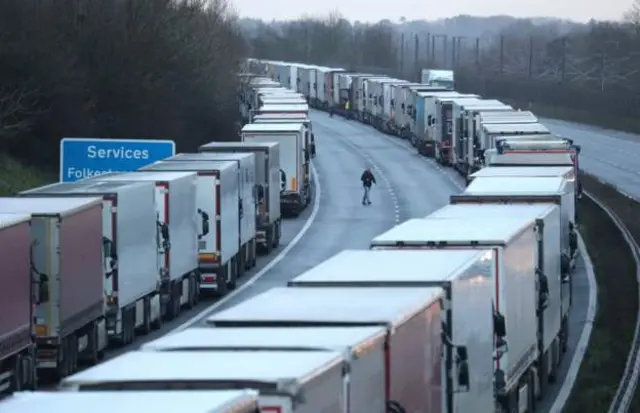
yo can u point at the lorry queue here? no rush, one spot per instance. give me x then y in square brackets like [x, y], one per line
[465, 310]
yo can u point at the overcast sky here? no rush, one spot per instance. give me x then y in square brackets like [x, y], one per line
[374, 10]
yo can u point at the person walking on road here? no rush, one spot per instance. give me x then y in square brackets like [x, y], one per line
[367, 179]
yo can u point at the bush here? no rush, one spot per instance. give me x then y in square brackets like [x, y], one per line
[115, 68]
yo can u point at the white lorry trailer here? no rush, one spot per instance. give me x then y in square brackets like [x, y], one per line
[218, 215]
[287, 381]
[309, 142]
[247, 200]
[362, 348]
[491, 132]
[411, 317]
[529, 190]
[177, 234]
[552, 326]
[267, 177]
[66, 237]
[295, 193]
[440, 124]
[467, 280]
[515, 290]
[220, 401]
[129, 235]
[464, 146]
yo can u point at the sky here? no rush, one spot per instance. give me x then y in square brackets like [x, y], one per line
[374, 10]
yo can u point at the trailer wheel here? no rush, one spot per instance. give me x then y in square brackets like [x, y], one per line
[269, 240]
[157, 323]
[233, 271]
[195, 278]
[253, 253]
[17, 376]
[277, 233]
[129, 326]
[91, 355]
[146, 317]
[73, 354]
[63, 368]
[221, 280]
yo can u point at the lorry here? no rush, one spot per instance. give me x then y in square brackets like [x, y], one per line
[566, 172]
[363, 95]
[309, 142]
[411, 317]
[441, 125]
[267, 177]
[552, 325]
[405, 105]
[67, 280]
[130, 242]
[295, 192]
[532, 190]
[176, 235]
[281, 108]
[466, 278]
[492, 132]
[516, 291]
[247, 200]
[220, 401]
[217, 215]
[362, 349]
[465, 146]
[438, 77]
[287, 381]
[420, 132]
[536, 151]
[17, 349]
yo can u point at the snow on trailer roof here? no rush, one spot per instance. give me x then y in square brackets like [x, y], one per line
[144, 176]
[471, 104]
[208, 156]
[87, 186]
[516, 128]
[9, 220]
[282, 338]
[237, 145]
[292, 115]
[50, 205]
[273, 127]
[195, 166]
[370, 268]
[506, 114]
[327, 307]
[531, 211]
[541, 144]
[533, 171]
[507, 185]
[193, 401]
[452, 231]
[451, 99]
[268, 107]
[271, 368]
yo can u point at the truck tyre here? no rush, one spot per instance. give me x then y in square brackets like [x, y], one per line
[221, 281]
[157, 323]
[73, 354]
[90, 356]
[146, 317]
[18, 379]
[129, 326]
[269, 239]
[196, 288]
[277, 233]
[63, 369]
[243, 261]
[236, 263]
[253, 253]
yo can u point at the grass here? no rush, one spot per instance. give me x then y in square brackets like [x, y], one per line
[16, 177]
[615, 321]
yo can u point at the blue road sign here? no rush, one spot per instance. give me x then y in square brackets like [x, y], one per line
[82, 158]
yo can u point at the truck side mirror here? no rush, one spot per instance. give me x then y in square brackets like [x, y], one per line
[543, 287]
[204, 218]
[499, 325]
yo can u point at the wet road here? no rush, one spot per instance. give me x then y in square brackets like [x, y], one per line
[613, 156]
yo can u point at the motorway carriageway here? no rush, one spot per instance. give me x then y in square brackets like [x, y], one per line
[409, 186]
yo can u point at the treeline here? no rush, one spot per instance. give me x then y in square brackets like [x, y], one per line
[115, 69]
[564, 69]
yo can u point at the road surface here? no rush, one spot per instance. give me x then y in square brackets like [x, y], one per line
[613, 156]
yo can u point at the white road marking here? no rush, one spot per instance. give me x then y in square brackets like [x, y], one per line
[206, 312]
[585, 335]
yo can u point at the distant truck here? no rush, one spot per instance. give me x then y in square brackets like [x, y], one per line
[17, 350]
[130, 271]
[438, 77]
[218, 216]
[67, 275]
[295, 191]
[247, 200]
[176, 235]
[267, 180]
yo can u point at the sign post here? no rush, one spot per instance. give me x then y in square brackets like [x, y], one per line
[82, 158]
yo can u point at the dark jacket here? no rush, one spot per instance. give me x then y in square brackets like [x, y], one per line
[367, 179]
